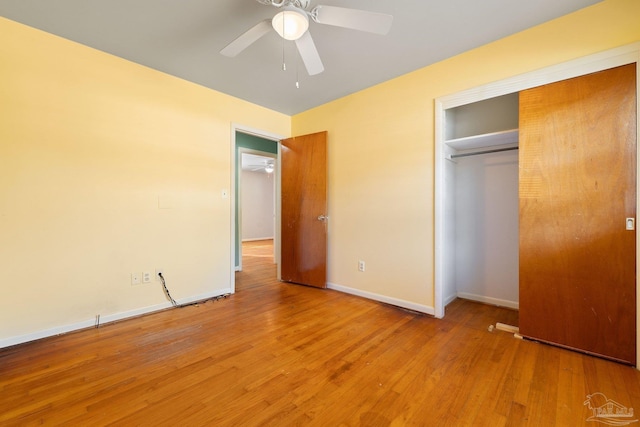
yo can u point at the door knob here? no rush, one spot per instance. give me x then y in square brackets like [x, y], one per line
[322, 218]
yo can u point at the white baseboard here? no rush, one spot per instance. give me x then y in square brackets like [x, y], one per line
[450, 299]
[383, 298]
[255, 239]
[8, 342]
[488, 300]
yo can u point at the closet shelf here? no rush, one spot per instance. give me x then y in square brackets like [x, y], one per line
[484, 140]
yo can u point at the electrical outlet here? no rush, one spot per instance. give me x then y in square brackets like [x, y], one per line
[146, 276]
[135, 278]
[158, 272]
[360, 265]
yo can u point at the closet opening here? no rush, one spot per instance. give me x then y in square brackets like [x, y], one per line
[482, 169]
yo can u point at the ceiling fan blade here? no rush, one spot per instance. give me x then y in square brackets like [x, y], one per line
[309, 54]
[247, 39]
[372, 22]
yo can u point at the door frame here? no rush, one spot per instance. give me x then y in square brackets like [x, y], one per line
[443, 266]
[235, 127]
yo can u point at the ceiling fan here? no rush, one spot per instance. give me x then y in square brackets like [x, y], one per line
[292, 23]
[268, 167]
[257, 163]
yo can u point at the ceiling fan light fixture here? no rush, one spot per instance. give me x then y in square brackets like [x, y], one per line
[290, 24]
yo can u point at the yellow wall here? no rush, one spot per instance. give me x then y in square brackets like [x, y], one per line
[381, 148]
[108, 168]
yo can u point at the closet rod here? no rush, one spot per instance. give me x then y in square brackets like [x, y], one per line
[497, 150]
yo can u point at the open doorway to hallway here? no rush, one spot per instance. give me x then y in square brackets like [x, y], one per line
[256, 207]
[264, 149]
[256, 191]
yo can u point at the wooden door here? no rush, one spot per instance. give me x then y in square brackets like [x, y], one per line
[577, 187]
[304, 210]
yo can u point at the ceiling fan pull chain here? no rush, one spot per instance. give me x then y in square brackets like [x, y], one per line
[284, 64]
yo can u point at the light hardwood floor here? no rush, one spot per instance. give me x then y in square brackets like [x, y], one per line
[285, 355]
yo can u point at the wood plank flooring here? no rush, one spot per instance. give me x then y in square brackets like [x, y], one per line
[278, 354]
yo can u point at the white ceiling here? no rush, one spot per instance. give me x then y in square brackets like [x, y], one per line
[183, 38]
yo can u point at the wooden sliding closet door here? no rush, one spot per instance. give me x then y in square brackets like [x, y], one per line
[577, 188]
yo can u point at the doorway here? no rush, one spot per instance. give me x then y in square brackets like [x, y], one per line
[256, 202]
[263, 144]
[305, 204]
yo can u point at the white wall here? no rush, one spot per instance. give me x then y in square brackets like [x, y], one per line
[257, 198]
[486, 216]
[449, 288]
